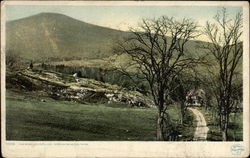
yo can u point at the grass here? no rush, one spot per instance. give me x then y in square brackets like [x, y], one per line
[61, 120]
[235, 130]
[38, 117]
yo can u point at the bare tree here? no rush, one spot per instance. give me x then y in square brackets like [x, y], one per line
[157, 49]
[226, 49]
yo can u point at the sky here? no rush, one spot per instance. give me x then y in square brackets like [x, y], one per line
[119, 17]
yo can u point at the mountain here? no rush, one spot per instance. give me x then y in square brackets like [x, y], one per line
[57, 36]
[51, 35]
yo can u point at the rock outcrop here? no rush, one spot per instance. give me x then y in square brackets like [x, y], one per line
[66, 87]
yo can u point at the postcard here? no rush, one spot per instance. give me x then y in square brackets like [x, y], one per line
[124, 79]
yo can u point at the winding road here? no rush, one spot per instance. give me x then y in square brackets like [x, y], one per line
[201, 129]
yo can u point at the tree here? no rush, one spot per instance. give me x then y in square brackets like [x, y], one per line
[226, 49]
[157, 49]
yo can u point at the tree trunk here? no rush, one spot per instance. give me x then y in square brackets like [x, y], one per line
[225, 126]
[160, 127]
[224, 135]
[182, 112]
[160, 123]
[220, 116]
[224, 132]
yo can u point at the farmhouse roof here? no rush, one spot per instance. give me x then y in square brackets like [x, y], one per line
[196, 92]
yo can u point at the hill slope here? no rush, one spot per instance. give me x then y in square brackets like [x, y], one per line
[50, 35]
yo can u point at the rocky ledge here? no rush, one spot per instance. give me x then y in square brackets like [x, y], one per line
[67, 87]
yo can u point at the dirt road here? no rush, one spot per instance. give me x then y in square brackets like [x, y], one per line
[201, 129]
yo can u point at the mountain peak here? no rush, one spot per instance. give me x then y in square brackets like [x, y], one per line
[51, 15]
[46, 16]
[53, 35]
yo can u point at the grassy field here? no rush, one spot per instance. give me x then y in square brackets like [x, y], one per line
[37, 117]
[31, 119]
[235, 131]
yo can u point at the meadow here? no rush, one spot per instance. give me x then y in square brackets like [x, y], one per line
[34, 116]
